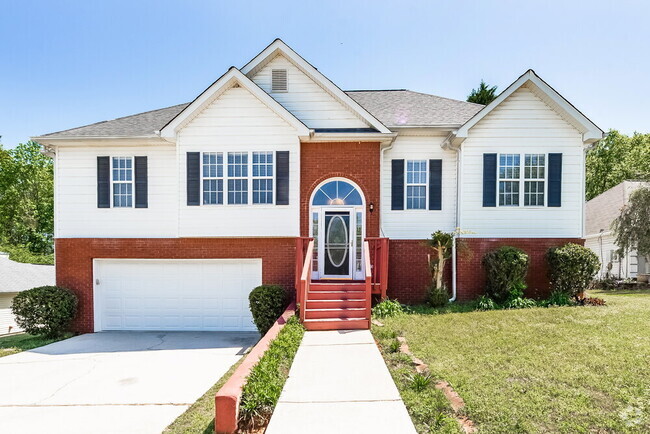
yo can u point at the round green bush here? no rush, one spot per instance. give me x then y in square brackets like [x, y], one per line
[45, 310]
[267, 302]
[571, 268]
[505, 269]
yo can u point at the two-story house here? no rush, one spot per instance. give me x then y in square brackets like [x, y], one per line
[166, 220]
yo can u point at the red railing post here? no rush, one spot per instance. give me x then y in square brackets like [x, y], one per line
[366, 253]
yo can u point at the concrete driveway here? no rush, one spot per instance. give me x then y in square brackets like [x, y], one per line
[113, 382]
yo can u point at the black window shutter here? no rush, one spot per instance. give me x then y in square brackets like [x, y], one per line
[282, 178]
[489, 179]
[103, 182]
[397, 185]
[141, 183]
[555, 180]
[435, 184]
[193, 178]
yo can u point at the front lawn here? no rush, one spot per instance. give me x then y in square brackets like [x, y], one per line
[22, 342]
[561, 369]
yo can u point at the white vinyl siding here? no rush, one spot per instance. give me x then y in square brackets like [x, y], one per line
[76, 212]
[239, 122]
[307, 100]
[522, 124]
[418, 224]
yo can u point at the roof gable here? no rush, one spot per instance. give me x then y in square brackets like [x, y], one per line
[278, 47]
[229, 79]
[590, 132]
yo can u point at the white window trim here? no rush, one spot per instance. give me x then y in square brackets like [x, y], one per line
[426, 186]
[522, 180]
[223, 178]
[249, 179]
[132, 182]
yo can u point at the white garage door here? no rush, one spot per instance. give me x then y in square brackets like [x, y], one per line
[186, 294]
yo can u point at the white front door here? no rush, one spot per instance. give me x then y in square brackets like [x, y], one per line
[179, 294]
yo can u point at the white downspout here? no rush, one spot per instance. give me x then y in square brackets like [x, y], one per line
[381, 187]
[453, 245]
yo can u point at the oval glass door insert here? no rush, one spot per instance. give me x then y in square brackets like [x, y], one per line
[337, 241]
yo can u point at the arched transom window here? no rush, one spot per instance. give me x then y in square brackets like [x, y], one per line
[337, 193]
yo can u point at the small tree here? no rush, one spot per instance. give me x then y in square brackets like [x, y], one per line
[483, 95]
[442, 244]
[632, 227]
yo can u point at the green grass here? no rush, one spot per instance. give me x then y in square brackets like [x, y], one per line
[22, 342]
[560, 369]
[261, 392]
[199, 418]
[22, 254]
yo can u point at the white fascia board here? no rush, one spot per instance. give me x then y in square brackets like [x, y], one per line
[591, 132]
[100, 140]
[233, 76]
[351, 137]
[278, 46]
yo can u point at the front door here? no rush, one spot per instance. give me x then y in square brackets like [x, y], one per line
[337, 243]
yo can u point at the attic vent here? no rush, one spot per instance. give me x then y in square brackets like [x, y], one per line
[279, 80]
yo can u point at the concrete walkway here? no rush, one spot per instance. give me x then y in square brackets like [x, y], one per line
[339, 384]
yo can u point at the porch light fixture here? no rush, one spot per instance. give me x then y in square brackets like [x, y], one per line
[371, 207]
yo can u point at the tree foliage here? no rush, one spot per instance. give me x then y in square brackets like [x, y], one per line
[632, 226]
[615, 159]
[483, 95]
[26, 198]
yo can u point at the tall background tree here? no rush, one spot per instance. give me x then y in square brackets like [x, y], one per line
[483, 95]
[26, 198]
[615, 159]
[632, 227]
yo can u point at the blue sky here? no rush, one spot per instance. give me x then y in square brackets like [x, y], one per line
[69, 63]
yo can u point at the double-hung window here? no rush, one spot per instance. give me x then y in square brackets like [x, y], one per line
[511, 178]
[509, 174]
[238, 178]
[416, 184]
[212, 178]
[263, 177]
[122, 182]
[534, 177]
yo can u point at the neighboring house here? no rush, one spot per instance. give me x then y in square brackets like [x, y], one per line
[14, 278]
[600, 212]
[167, 219]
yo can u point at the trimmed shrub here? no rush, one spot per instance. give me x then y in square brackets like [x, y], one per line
[571, 268]
[45, 310]
[387, 308]
[267, 302]
[506, 269]
[516, 299]
[437, 297]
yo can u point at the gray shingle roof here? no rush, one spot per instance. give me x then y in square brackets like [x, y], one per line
[391, 107]
[402, 107]
[16, 276]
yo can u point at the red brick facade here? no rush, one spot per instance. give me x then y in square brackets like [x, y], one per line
[356, 161]
[74, 260]
[409, 275]
[470, 281]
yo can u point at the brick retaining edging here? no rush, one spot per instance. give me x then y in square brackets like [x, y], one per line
[226, 401]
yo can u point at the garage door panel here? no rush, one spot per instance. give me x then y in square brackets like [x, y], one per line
[175, 294]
